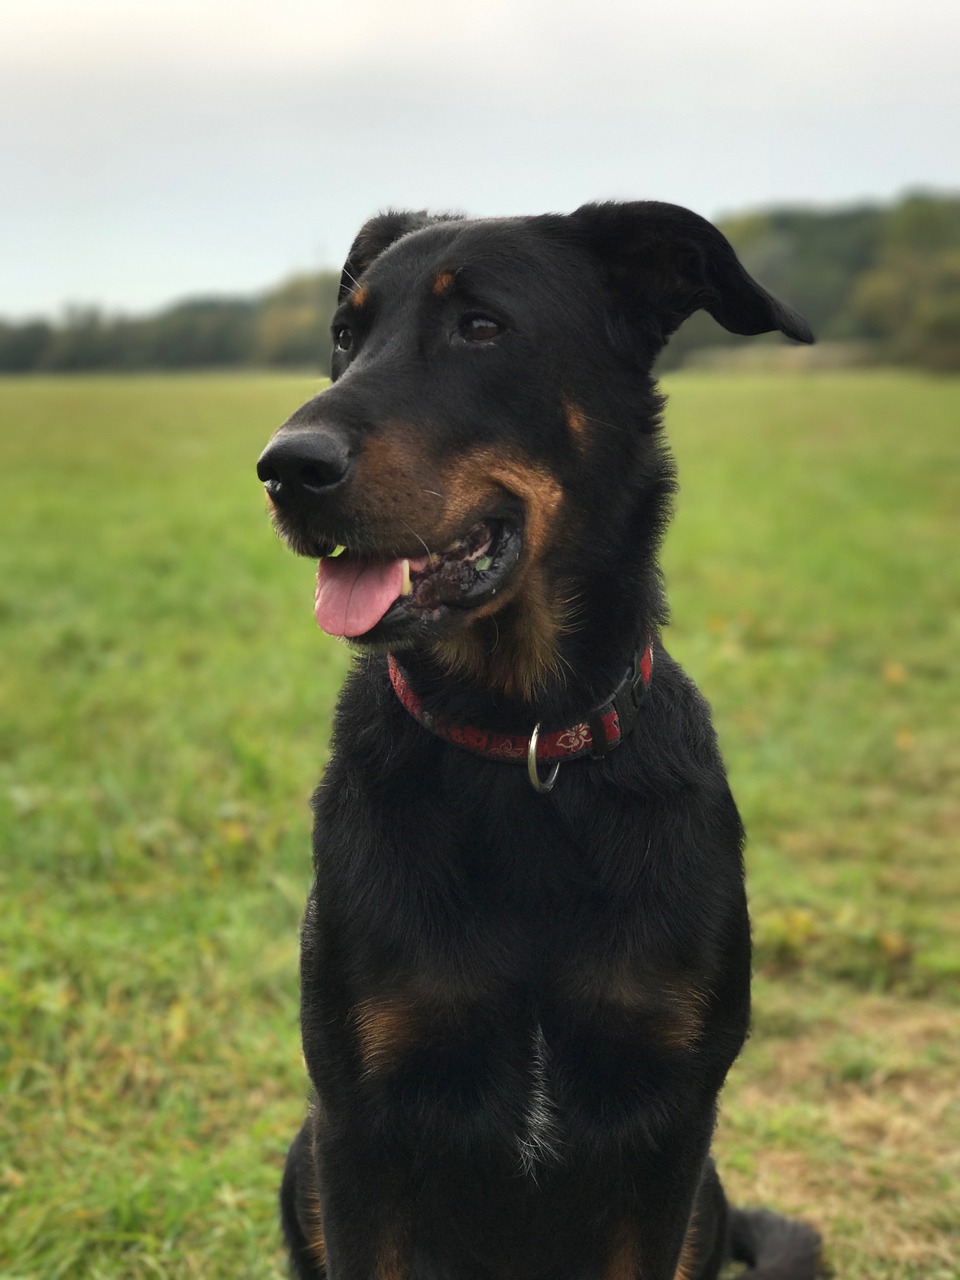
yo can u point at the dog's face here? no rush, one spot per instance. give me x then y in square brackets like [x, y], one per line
[490, 396]
[443, 454]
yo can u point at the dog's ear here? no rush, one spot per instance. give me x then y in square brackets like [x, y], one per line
[379, 234]
[665, 263]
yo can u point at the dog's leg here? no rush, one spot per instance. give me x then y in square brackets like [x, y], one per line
[705, 1247]
[659, 1240]
[300, 1211]
[365, 1216]
[777, 1248]
[344, 1231]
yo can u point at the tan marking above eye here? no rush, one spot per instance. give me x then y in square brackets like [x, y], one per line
[576, 421]
[442, 284]
[359, 296]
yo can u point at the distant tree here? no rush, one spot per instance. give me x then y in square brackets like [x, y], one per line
[23, 347]
[83, 341]
[293, 322]
[202, 333]
[908, 303]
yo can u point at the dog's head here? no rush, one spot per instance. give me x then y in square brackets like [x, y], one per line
[485, 459]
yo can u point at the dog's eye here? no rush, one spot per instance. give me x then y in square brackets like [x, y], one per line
[479, 329]
[343, 337]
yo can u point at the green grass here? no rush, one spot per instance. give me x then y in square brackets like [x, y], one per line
[164, 711]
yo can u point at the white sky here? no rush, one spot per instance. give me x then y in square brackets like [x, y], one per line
[156, 148]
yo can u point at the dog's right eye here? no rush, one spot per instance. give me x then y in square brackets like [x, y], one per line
[479, 329]
[343, 337]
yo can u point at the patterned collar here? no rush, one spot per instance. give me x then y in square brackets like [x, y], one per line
[595, 735]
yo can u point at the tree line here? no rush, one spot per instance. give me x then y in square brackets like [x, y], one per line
[884, 281]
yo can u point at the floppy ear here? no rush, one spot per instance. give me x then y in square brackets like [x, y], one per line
[666, 262]
[379, 234]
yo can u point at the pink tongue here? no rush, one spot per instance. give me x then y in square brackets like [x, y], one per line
[353, 595]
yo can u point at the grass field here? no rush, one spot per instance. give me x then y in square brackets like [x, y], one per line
[164, 708]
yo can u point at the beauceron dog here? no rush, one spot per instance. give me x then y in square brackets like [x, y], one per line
[526, 954]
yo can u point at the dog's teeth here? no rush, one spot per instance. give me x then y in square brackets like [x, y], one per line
[406, 586]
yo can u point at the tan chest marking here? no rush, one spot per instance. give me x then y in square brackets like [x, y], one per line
[673, 1008]
[624, 1259]
[392, 1262]
[386, 1027]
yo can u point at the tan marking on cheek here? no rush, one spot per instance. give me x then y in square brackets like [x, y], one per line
[515, 651]
[576, 423]
[541, 493]
[522, 652]
[442, 284]
[386, 1027]
[474, 481]
[395, 482]
[359, 296]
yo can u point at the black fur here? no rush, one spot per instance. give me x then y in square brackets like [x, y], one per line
[518, 1009]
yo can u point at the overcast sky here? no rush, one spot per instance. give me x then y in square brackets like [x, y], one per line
[156, 148]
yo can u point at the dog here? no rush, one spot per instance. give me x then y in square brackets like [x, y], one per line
[526, 954]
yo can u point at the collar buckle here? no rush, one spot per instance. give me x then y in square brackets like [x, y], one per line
[632, 690]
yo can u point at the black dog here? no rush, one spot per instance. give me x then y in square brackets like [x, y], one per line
[518, 1008]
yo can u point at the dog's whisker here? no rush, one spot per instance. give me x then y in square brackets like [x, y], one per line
[410, 529]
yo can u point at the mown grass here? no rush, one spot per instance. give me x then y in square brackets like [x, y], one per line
[164, 708]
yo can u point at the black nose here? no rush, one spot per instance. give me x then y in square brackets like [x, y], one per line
[303, 462]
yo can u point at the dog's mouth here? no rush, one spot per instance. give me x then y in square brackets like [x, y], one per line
[373, 600]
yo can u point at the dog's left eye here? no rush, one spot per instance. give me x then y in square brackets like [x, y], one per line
[479, 329]
[343, 337]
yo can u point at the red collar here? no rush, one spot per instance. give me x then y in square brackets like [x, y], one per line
[598, 733]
